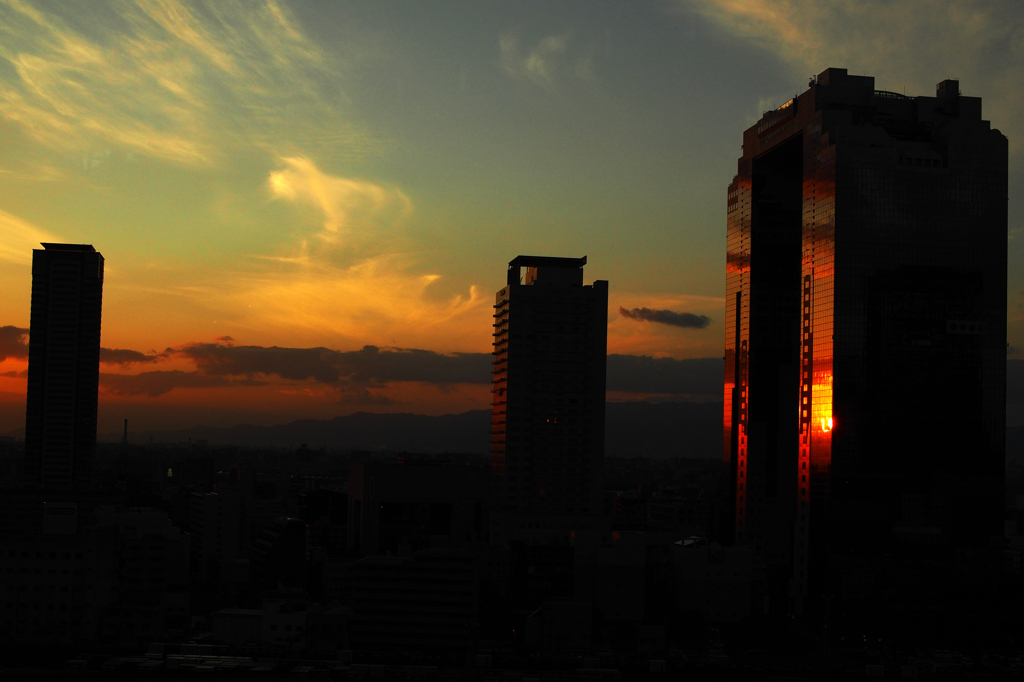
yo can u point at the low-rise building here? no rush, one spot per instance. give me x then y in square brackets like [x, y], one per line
[237, 626]
[715, 581]
[426, 601]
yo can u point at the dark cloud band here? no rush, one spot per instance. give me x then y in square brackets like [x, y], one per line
[153, 384]
[669, 317]
[124, 357]
[13, 342]
[369, 365]
[376, 366]
[355, 372]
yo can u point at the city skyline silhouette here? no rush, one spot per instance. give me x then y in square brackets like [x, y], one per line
[730, 413]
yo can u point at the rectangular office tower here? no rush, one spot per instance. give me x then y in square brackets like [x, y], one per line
[864, 431]
[547, 419]
[63, 365]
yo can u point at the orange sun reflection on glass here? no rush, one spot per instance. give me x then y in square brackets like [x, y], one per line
[826, 425]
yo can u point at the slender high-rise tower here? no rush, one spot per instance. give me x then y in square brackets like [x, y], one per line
[547, 424]
[866, 344]
[63, 365]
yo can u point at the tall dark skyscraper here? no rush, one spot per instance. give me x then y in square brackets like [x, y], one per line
[866, 344]
[63, 365]
[547, 423]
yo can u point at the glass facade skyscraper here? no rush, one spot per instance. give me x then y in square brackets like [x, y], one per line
[866, 344]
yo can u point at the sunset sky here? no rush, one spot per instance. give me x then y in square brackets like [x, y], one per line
[321, 177]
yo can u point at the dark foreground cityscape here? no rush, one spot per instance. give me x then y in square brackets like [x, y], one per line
[861, 522]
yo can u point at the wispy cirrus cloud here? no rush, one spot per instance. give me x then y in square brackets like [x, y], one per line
[176, 81]
[546, 61]
[352, 208]
[18, 237]
[343, 271]
[901, 44]
[32, 171]
[353, 255]
[379, 297]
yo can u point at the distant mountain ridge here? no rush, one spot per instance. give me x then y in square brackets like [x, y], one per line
[633, 429]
